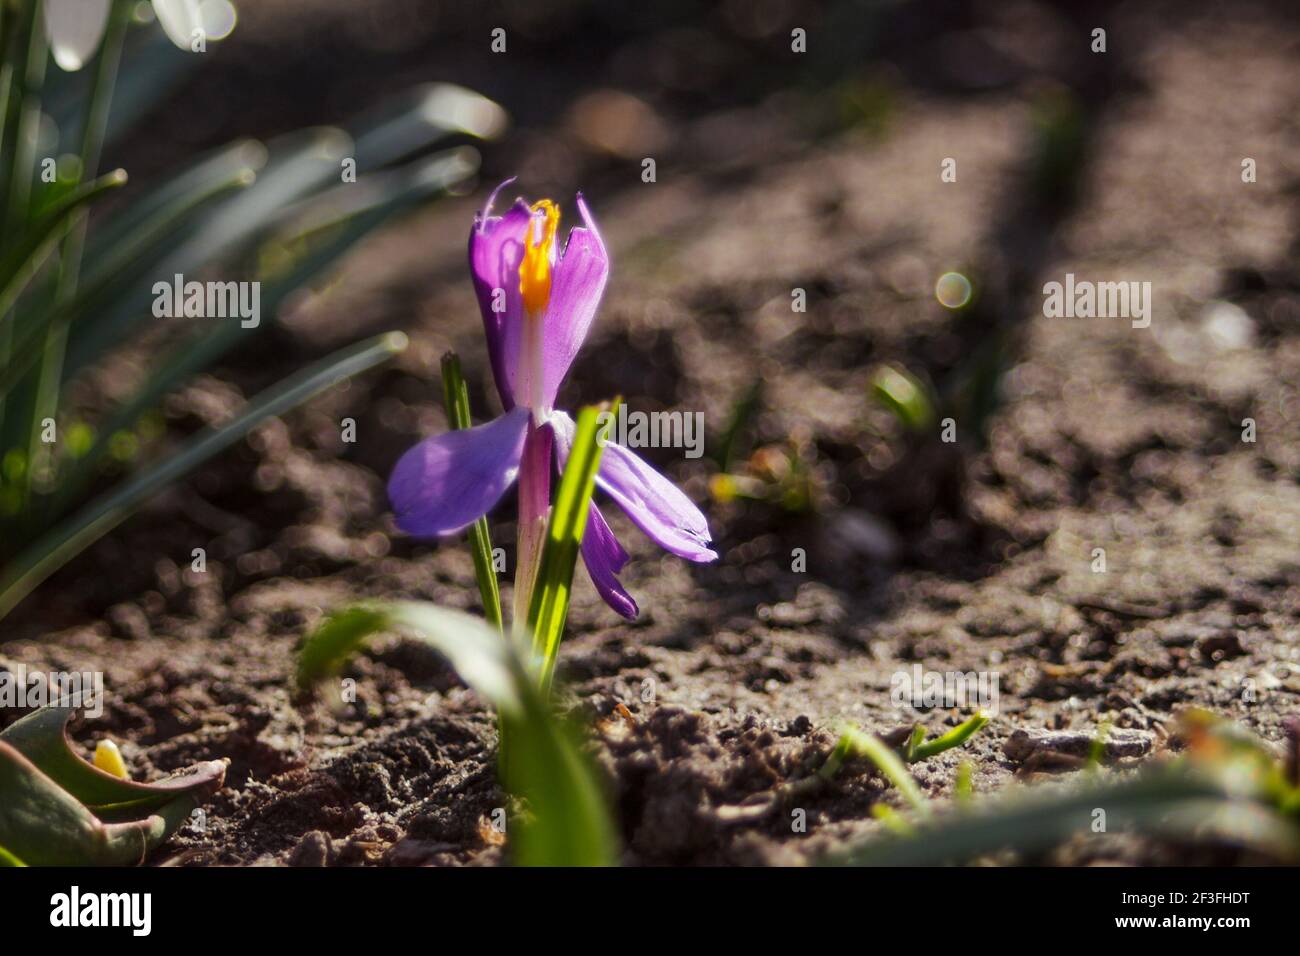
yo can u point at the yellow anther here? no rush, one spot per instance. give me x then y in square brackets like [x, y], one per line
[535, 269]
[109, 759]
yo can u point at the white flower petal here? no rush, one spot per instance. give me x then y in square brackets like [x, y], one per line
[75, 28]
[179, 19]
[219, 18]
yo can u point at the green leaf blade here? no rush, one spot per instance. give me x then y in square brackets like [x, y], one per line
[456, 399]
[567, 822]
[67, 539]
[550, 601]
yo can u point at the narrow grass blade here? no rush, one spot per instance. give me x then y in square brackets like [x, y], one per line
[855, 743]
[923, 750]
[31, 251]
[481, 657]
[68, 538]
[964, 786]
[420, 118]
[742, 415]
[1170, 801]
[334, 640]
[22, 132]
[305, 163]
[567, 821]
[223, 165]
[121, 267]
[456, 397]
[423, 182]
[550, 602]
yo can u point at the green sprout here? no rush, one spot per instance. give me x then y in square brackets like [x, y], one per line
[905, 395]
[919, 749]
[855, 743]
[1227, 786]
[566, 821]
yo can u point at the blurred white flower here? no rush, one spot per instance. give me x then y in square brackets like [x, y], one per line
[75, 27]
[179, 19]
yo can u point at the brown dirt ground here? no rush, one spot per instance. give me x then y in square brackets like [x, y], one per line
[1108, 436]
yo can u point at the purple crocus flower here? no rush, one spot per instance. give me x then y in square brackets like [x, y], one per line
[537, 306]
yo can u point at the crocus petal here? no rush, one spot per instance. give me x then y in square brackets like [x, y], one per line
[448, 481]
[604, 558]
[577, 282]
[655, 504]
[179, 19]
[75, 28]
[496, 247]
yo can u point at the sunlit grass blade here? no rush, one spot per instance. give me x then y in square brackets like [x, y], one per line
[1170, 801]
[923, 750]
[906, 396]
[566, 821]
[550, 600]
[385, 192]
[963, 787]
[481, 657]
[418, 119]
[456, 398]
[855, 743]
[68, 538]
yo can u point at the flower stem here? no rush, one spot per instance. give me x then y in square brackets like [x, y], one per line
[456, 397]
[534, 509]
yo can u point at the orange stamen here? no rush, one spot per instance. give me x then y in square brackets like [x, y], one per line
[535, 269]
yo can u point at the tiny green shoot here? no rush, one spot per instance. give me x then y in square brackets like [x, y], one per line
[856, 743]
[920, 749]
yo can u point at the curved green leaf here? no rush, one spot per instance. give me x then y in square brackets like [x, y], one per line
[41, 824]
[42, 738]
[567, 822]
